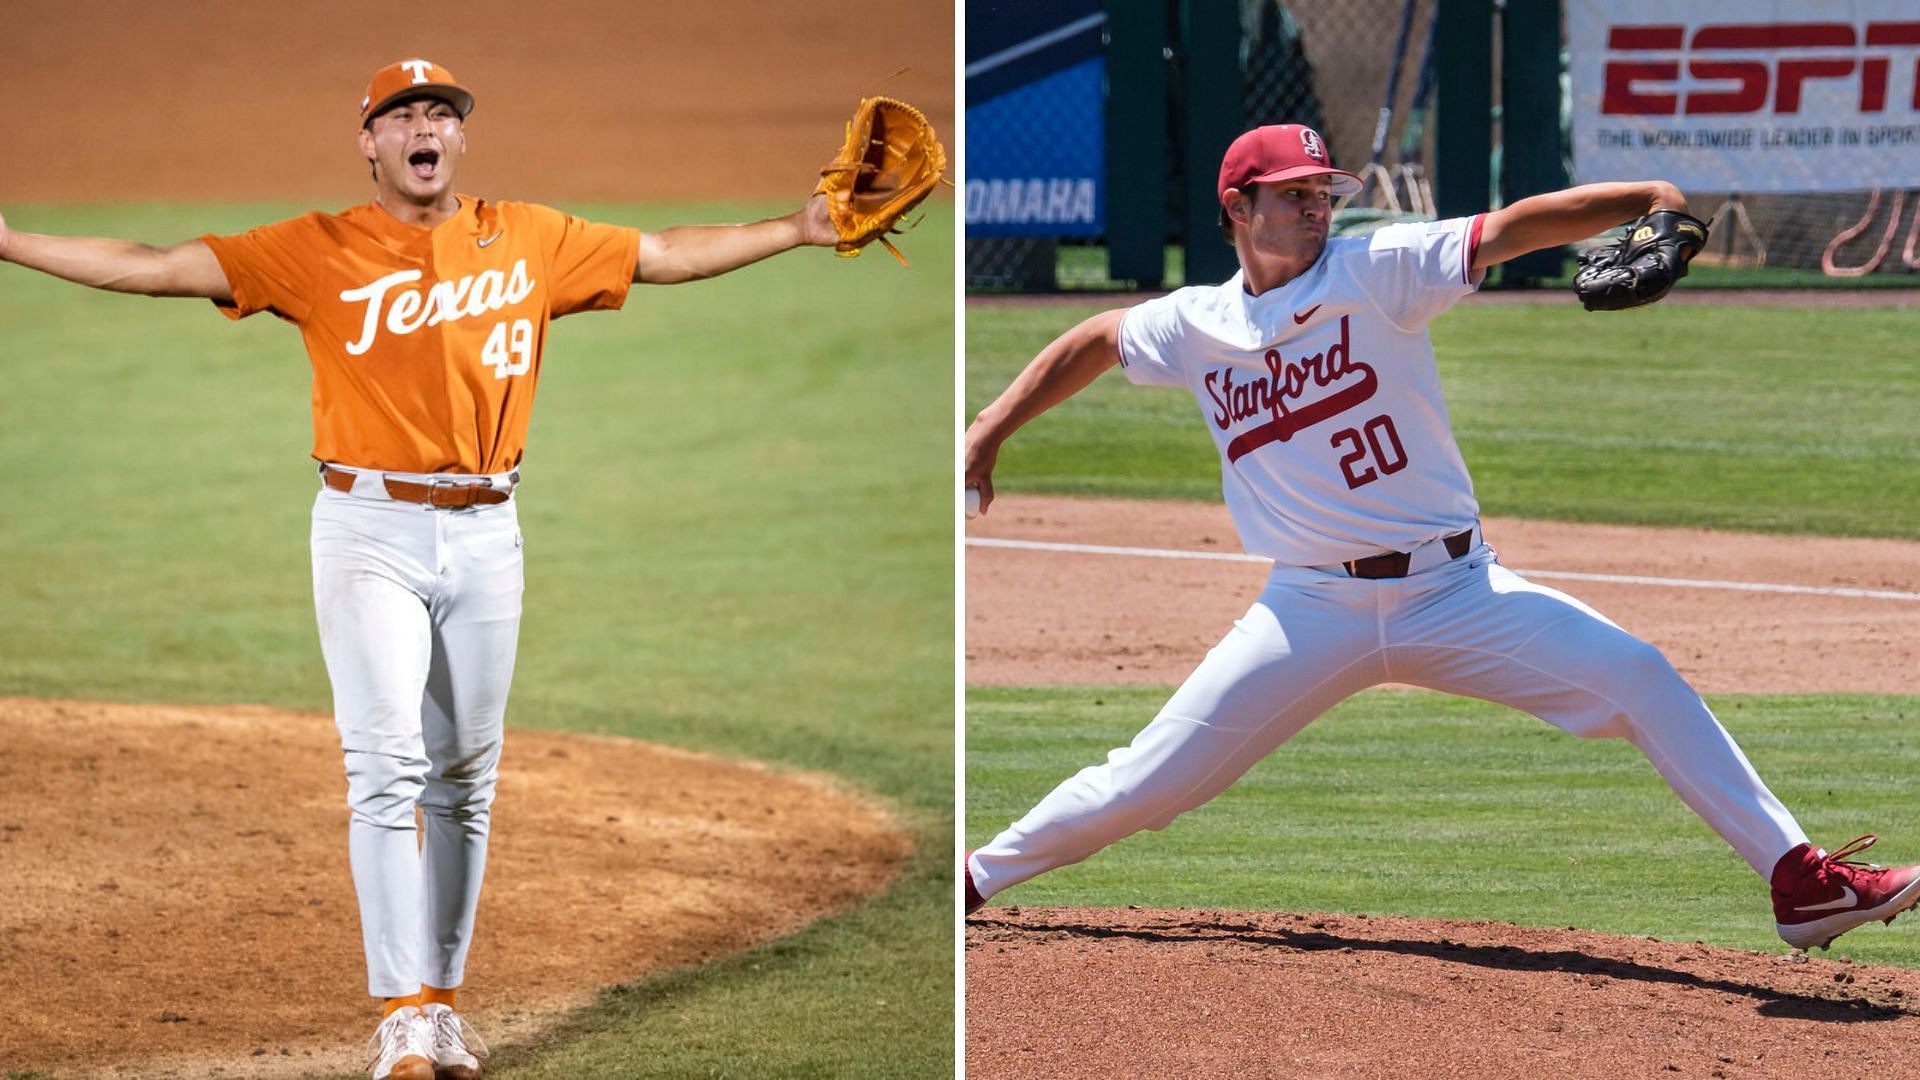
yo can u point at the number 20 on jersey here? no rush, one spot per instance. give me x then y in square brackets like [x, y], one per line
[1374, 439]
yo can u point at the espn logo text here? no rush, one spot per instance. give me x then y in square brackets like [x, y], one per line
[1751, 66]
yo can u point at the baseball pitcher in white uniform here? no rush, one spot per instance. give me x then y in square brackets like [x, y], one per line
[1314, 372]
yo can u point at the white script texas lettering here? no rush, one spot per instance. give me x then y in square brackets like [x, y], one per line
[445, 301]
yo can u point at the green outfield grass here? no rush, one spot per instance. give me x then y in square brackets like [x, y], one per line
[1755, 418]
[738, 516]
[1413, 803]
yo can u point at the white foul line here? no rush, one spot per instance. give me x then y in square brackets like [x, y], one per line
[1100, 549]
[1033, 44]
[1736, 586]
[1565, 575]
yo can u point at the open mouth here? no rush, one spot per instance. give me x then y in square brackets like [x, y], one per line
[424, 163]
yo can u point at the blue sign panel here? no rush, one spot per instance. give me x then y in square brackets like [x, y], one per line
[1036, 121]
[1036, 158]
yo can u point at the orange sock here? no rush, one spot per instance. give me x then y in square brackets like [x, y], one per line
[389, 1005]
[433, 995]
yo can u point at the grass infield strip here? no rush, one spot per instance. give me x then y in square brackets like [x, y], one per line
[737, 504]
[1752, 418]
[1415, 803]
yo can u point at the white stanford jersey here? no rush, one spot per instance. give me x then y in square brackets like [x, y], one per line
[1322, 395]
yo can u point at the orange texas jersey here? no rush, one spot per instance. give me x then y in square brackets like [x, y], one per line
[426, 342]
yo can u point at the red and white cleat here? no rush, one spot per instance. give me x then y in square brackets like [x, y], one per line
[974, 900]
[1817, 896]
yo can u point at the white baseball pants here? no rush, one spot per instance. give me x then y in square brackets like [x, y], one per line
[419, 614]
[1315, 637]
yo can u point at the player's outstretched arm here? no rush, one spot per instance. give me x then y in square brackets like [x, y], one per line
[187, 269]
[1564, 217]
[1064, 368]
[693, 252]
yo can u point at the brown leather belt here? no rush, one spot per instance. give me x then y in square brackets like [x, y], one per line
[450, 494]
[1395, 564]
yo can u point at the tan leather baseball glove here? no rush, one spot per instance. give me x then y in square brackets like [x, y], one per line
[890, 162]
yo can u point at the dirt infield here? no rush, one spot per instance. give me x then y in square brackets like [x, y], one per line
[1045, 617]
[1073, 993]
[175, 901]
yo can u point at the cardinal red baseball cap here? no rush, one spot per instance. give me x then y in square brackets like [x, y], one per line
[1280, 152]
[412, 78]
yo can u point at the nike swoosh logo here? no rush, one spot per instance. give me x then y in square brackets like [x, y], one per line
[1844, 902]
[491, 239]
[1300, 317]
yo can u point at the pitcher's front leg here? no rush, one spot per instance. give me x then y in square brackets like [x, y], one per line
[1269, 678]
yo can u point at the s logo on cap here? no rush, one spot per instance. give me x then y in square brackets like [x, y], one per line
[1310, 142]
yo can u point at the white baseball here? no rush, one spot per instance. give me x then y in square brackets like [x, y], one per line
[973, 503]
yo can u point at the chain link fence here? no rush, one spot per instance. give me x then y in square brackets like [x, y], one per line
[1362, 73]
[1036, 145]
[1325, 63]
[1845, 235]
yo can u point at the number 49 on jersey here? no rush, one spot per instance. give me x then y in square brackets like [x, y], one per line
[509, 348]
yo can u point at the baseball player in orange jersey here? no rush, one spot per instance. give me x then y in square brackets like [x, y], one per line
[425, 314]
[1315, 374]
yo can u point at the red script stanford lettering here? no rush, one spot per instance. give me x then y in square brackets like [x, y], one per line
[1278, 395]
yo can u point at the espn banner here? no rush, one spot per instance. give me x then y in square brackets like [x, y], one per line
[1746, 96]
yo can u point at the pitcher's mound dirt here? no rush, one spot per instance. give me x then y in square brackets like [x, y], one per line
[175, 899]
[1064, 993]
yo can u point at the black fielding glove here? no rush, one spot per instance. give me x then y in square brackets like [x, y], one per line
[1640, 267]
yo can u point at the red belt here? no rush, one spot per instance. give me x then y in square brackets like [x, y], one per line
[1395, 564]
[450, 494]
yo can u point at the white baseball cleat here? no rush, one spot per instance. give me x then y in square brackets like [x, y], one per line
[457, 1048]
[400, 1048]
